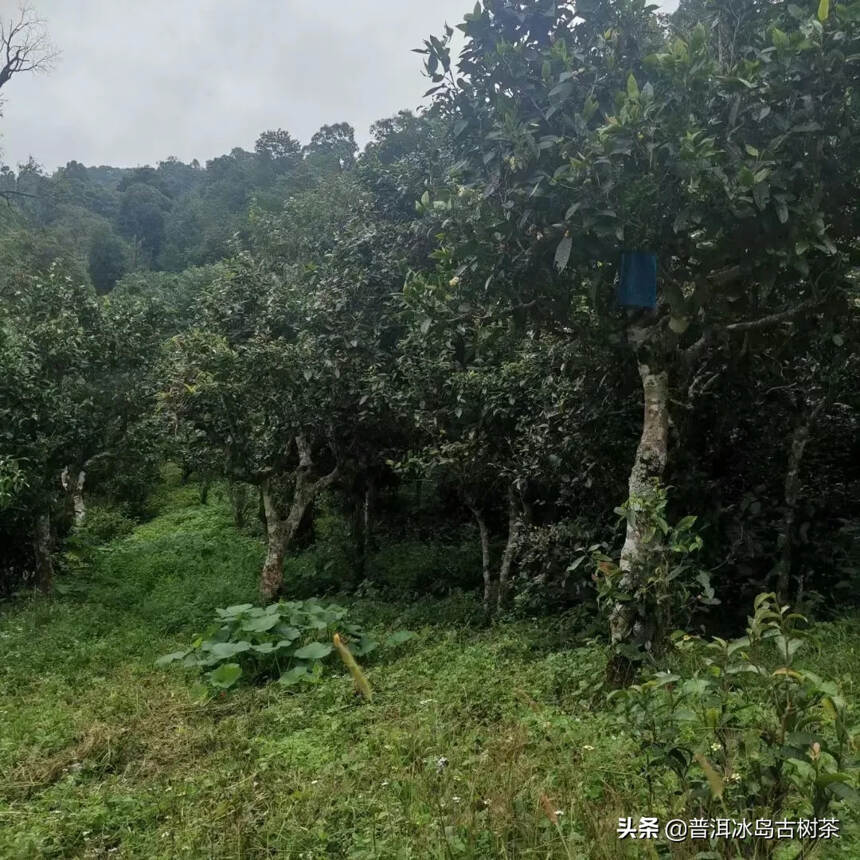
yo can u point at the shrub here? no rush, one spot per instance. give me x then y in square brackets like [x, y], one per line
[289, 640]
[670, 586]
[748, 733]
[102, 525]
[545, 578]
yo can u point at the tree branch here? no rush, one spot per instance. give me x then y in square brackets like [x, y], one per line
[773, 319]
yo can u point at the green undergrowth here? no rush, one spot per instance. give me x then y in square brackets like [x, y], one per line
[477, 736]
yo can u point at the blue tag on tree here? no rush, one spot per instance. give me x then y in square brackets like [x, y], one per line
[637, 284]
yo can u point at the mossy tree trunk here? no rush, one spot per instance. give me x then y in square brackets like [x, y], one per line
[280, 529]
[627, 627]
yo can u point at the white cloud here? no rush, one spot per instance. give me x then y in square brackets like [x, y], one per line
[194, 78]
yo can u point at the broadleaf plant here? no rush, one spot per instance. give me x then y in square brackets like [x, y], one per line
[288, 640]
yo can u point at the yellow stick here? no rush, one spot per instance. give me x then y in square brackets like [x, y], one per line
[361, 683]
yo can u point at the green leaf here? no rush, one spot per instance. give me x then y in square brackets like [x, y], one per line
[287, 632]
[833, 776]
[663, 678]
[264, 648]
[823, 10]
[400, 637]
[225, 650]
[261, 624]
[225, 675]
[171, 658]
[314, 651]
[562, 253]
[779, 39]
[363, 646]
[844, 791]
[679, 324]
[294, 675]
[743, 642]
[233, 611]
[632, 87]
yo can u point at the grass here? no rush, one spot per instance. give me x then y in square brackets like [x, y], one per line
[481, 742]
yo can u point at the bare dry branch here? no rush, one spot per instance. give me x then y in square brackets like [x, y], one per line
[24, 45]
[774, 319]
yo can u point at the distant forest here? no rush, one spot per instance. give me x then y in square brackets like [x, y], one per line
[112, 220]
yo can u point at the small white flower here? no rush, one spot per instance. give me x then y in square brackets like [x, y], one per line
[384, 783]
[587, 747]
[559, 812]
[455, 799]
[441, 763]
[314, 781]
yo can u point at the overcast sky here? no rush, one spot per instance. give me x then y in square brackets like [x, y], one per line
[139, 80]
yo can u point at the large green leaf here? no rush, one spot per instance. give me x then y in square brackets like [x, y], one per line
[363, 646]
[225, 675]
[314, 651]
[264, 647]
[171, 658]
[234, 611]
[260, 624]
[287, 631]
[225, 650]
[400, 637]
[294, 675]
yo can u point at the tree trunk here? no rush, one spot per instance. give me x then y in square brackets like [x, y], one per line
[625, 624]
[75, 507]
[485, 553]
[78, 498]
[799, 439]
[281, 532]
[261, 509]
[42, 548]
[510, 546]
[272, 575]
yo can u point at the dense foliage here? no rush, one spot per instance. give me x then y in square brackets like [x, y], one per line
[381, 355]
[439, 308]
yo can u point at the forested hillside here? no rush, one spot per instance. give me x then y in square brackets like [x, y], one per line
[556, 377]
